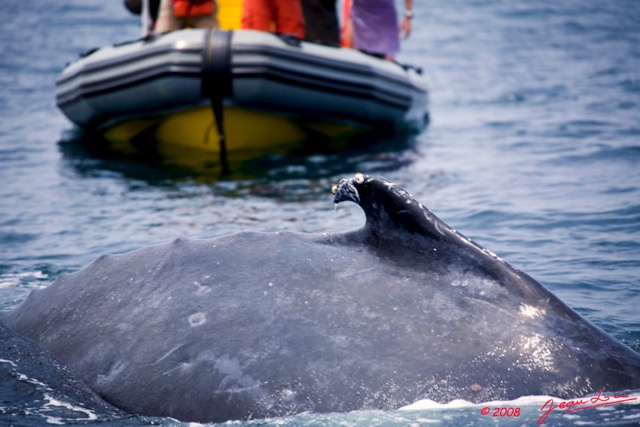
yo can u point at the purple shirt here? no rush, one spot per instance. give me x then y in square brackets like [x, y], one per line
[375, 26]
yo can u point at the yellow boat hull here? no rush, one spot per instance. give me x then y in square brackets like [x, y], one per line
[245, 131]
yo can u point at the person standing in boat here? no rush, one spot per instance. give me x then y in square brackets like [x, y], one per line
[280, 16]
[321, 22]
[180, 14]
[372, 26]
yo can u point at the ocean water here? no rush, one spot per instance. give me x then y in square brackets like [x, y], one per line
[533, 151]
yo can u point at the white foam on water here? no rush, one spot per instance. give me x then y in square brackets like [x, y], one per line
[427, 404]
[544, 410]
[9, 361]
[16, 279]
[53, 402]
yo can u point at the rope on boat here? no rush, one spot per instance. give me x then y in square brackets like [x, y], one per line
[216, 82]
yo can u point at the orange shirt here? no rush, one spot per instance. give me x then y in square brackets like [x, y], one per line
[280, 16]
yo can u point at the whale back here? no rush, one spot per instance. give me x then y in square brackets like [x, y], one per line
[269, 324]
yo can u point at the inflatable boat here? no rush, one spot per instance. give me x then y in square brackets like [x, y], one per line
[237, 90]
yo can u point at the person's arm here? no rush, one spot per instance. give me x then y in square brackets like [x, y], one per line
[405, 25]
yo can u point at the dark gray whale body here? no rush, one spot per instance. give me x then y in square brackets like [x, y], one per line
[35, 388]
[255, 325]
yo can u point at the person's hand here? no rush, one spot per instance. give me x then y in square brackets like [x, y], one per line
[405, 27]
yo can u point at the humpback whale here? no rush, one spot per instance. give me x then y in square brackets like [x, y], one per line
[39, 385]
[253, 325]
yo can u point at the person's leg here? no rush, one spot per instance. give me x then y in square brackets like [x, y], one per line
[166, 21]
[321, 21]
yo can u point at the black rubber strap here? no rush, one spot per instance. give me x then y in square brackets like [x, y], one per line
[217, 82]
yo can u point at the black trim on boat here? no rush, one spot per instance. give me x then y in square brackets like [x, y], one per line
[216, 64]
[102, 66]
[216, 82]
[125, 81]
[316, 61]
[213, 62]
[363, 89]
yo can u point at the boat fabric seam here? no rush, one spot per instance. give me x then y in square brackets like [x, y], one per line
[89, 90]
[85, 88]
[123, 82]
[243, 70]
[324, 62]
[101, 66]
[344, 89]
[129, 60]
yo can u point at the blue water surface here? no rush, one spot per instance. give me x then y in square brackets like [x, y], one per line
[533, 151]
